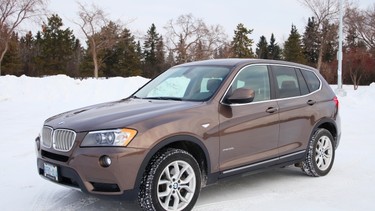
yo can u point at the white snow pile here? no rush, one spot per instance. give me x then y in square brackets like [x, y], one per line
[26, 102]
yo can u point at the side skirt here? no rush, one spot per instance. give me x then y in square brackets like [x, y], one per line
[284, 160]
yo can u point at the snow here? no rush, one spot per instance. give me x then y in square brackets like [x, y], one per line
[26, 102]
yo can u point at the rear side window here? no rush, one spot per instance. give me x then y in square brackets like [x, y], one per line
[311, 79]
[287, 84]
[302, 83]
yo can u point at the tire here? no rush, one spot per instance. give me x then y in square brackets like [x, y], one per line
[164, 188]
[320, 155]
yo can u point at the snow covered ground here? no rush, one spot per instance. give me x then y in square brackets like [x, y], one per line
[26, 102]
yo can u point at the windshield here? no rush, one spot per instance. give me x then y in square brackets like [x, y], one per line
[192, 83]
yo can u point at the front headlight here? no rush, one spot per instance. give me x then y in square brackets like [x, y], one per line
[119, 137]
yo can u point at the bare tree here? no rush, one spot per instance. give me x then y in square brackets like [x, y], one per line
[94, 21]
[187, 35]
[325, 11]
[363, 23]
[12, 14]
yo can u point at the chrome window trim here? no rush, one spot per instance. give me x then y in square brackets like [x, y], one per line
[271, 100]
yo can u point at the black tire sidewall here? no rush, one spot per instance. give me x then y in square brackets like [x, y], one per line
[174, 155]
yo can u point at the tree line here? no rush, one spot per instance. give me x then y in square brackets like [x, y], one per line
[111, 49]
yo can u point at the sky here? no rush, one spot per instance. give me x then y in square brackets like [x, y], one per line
[264, 17]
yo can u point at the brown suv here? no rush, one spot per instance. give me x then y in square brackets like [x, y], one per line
[189, 127]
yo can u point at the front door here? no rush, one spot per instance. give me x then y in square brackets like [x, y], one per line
[249, 132]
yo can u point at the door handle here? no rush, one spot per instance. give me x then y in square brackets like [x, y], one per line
[311, 102]
[271, 110]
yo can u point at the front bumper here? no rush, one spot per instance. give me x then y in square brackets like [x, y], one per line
[81, 169]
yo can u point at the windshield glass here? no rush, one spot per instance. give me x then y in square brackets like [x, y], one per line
[192, 83]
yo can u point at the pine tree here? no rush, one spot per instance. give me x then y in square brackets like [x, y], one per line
[27, 51]
[293, 47]
[199, 52]
[160, 57]
[123, 59]
[241, 44]
[311, 43]
[57, 47]
[153, 53]
[12, 59]
[329, 31]
[182, 56]
[262, 48]
[274, 50]
[170, 59]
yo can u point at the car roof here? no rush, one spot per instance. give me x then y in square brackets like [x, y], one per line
[232, 62]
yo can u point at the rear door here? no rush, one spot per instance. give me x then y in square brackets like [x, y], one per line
[249, 132]
[297, 110]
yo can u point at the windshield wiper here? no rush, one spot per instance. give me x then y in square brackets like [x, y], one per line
[163, 98]
[135, 97]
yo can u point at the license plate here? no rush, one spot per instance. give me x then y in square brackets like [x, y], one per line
[50, 171]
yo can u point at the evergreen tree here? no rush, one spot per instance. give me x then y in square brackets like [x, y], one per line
[329, 49]
[27, 52]
[170, 59]
[293, 47]
[241, 44]
[57, 47]
[12, 59]
[352, 40]
[274, 50]
[311, 43]
[262, 48]
[182, 56]
[160, 57]
[223, 51]
[199, 52]
[123, 58]
[153, 53]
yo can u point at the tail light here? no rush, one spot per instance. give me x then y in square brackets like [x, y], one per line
[336, 100]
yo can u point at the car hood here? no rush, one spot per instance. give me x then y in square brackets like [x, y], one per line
[116, 114]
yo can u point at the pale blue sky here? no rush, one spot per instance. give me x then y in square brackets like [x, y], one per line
[265, 16]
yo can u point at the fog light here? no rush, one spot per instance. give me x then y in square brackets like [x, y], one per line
[105, 161]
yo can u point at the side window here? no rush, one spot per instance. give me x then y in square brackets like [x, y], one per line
[312, 80]
[255, 78]
[302, 83]
[287, 81]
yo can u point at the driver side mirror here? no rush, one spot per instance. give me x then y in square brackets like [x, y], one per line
[241, 95]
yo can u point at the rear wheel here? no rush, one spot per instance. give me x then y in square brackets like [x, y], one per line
[320, 155]
[172, 182]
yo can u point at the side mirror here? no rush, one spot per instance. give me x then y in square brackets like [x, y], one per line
[241, 95]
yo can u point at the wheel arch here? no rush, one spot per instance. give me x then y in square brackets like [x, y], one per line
[329, 125]
[185, 142]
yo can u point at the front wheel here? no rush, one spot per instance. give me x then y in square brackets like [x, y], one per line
[172, 182]
[320, 155]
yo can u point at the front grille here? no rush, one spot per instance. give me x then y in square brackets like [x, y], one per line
[63, 140]
[60, 139]
[47, 137]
